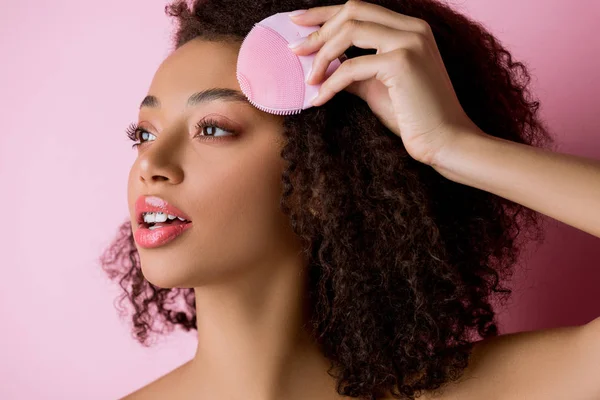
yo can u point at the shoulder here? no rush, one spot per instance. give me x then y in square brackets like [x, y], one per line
[161, 388]
[557, 363]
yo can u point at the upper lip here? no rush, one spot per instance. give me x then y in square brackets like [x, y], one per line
[151, 203]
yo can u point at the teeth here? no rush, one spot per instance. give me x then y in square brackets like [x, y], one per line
[160, 217]
[153, 217]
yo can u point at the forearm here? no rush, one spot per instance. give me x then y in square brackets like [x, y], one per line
[562, 186]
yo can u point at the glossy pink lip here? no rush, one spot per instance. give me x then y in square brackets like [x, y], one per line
[157, 237]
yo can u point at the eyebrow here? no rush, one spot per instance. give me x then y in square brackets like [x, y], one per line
[213, 94]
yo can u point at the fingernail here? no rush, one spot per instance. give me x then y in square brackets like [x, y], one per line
[297, 12]
[312, 101]
[309, 75]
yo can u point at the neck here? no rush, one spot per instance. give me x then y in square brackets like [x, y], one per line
[253, 342]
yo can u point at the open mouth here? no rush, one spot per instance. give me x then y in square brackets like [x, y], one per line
[158, 220]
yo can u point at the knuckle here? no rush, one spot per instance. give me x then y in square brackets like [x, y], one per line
[423, 27]
[314, 36]
[348, 65]
[418, 42]
[402, 55]
[351, 7]
[350, 25]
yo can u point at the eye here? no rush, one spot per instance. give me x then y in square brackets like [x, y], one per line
[137, 134]
[212, 123]
[140, 135]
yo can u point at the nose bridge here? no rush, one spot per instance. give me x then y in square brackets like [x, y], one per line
[162, 156]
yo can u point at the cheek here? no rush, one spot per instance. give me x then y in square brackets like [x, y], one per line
[245, 194]
[241, 208]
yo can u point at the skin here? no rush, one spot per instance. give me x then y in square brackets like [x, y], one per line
[240, 255]
[407, 87]
[242, 258]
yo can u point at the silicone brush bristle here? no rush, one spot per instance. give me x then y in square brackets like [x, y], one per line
[270, 74]
[275, 111]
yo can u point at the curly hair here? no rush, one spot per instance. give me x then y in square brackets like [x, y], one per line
[404, 264]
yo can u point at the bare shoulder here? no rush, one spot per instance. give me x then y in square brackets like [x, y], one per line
[557, 363]
[161, 388]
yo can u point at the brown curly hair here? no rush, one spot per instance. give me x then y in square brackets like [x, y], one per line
[404, 263]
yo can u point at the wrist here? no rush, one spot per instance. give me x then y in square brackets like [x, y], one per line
[464, 141]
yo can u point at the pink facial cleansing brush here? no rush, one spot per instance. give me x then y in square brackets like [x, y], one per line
[270, 74]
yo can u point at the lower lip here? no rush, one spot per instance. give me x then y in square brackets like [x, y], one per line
[158, 237]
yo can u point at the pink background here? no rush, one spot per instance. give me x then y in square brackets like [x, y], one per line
[72, 76]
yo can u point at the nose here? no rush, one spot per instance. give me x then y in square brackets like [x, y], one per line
[158, 164]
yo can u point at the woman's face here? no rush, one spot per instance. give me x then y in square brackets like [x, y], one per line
[229, 184]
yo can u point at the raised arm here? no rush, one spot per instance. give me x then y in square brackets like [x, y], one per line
[562, 186]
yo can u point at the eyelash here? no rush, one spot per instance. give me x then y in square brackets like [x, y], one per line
[134, 130]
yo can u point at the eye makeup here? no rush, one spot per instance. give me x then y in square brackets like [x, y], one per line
[135, 132]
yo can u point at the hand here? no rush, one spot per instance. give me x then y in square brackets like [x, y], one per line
[405, 83]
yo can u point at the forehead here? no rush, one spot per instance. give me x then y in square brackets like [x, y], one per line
[197, 64]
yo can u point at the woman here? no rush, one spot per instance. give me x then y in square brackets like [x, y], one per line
[352, 250]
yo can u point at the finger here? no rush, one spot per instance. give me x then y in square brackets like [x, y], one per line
[366, 35]
[352, 70]
[333, 17]
[316, 15]
[361, 10]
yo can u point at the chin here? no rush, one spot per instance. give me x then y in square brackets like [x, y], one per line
[165, 275]
[170, 273]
